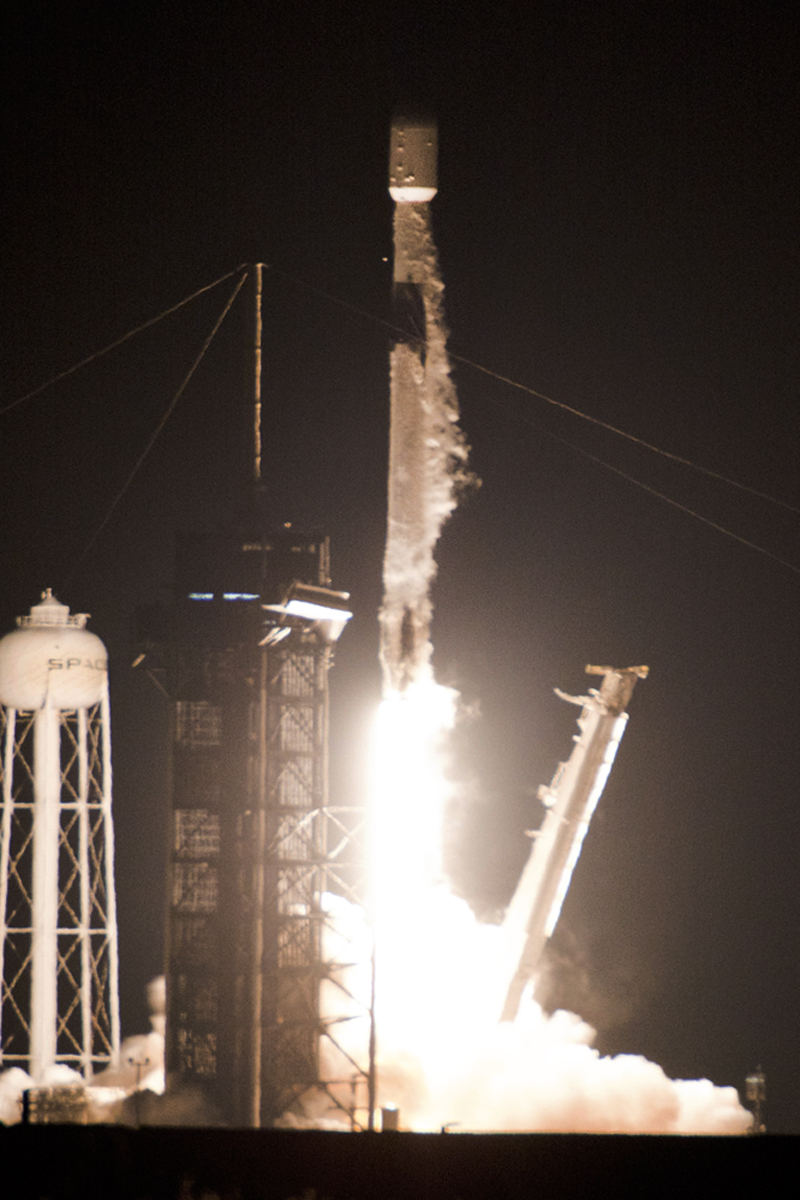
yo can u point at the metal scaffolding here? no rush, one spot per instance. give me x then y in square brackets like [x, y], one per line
[262, 1012]
[304, 1055]
[58, 941]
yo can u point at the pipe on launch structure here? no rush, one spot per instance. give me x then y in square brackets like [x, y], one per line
[571, 799]
[58, 929]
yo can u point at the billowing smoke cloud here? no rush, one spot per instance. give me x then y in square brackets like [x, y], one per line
[141, 1057]
[140, 1068]
[140, 1076]
[13, 1083]
[445, 1060]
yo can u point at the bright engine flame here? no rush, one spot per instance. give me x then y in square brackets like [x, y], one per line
[426, 939]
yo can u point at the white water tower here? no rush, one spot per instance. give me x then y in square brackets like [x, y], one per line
[58, 924]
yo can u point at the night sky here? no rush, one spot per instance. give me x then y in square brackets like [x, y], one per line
[617, 227]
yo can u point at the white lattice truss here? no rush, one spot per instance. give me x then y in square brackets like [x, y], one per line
[309, 846]
[58, 936]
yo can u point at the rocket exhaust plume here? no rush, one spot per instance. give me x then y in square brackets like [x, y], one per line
[427, 453]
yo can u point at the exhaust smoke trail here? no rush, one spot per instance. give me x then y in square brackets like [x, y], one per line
[427, 452]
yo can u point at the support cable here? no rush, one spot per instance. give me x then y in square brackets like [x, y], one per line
[167, 414]
[685, 462]
[595, 421]
[132, 333]
[575, 412]
[364, 313]
[668, 500]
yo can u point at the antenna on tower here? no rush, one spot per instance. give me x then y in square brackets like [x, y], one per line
[257, 273]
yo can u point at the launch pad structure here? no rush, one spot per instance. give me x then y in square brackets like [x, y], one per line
[261, 1018]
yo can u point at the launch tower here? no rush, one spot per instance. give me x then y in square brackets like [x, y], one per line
[258, 854]
[260, 1018]
[58, 931]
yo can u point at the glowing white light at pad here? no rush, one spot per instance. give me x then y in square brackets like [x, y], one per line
[429, 947]
[322, 606]
[316, 612]
[443, 1057]
[408, 822]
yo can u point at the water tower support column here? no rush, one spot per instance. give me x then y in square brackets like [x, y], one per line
[58, 931]
[44, 909]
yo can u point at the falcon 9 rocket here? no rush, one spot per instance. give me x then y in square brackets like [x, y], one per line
[427, 454]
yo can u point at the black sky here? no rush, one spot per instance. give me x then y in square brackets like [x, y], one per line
[617, 225]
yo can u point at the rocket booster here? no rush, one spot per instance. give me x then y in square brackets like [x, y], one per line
[425, 445]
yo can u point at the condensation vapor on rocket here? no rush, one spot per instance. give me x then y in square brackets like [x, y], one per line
[427, 453]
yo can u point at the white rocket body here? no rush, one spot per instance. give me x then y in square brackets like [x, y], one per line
[426, 448]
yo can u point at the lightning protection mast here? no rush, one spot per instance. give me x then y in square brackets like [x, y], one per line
[260, 1019]
[58, 925]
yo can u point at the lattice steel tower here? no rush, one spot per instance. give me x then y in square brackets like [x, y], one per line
[262, 1015]
[259, 1011]
[58, 928]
